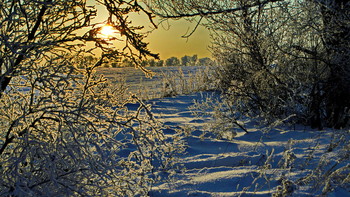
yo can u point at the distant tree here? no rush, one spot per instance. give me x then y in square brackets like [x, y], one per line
[152, 63]
[115, 65]
[160, 63]
[189, 60]
[186, 60]
[127, 63]
[116, 62]
[194, 60]
[172, 61]
[206, 61]
[89, 59]
[144, 63]
[65, 131]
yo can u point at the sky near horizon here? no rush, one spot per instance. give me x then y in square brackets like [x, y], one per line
[167, 38]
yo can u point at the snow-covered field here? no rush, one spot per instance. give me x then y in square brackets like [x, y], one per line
[137, 82]
[282, 161]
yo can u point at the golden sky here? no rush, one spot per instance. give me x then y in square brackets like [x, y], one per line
[168, 41]
[167, 38]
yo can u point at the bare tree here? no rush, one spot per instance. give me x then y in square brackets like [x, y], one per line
[63, 130]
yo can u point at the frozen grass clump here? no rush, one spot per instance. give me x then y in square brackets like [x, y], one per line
[181, 82]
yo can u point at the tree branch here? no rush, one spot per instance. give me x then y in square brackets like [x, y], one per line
[215, 12]
[5, 78]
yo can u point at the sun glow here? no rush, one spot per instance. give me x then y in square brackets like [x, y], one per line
[108, 32]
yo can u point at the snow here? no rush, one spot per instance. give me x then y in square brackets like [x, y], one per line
[296, 160]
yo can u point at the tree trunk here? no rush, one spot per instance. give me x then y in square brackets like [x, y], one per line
[336, 39]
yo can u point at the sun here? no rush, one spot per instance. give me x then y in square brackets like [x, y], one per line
[108, 31]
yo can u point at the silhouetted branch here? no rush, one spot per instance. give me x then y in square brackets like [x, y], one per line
[215, 12]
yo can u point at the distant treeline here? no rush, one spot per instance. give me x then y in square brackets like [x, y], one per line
[172, 61]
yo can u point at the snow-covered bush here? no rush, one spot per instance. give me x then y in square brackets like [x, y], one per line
[263, 74]
[64, 131]
[69, 133]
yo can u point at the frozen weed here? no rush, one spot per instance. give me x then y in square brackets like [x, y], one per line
[225, 123]
[286, 188]
[288, 157]
[335, 142]
[180, 82]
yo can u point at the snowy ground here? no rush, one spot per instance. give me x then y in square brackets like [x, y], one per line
[298, 161]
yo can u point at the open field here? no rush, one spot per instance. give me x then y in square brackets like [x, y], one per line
[165, 80]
